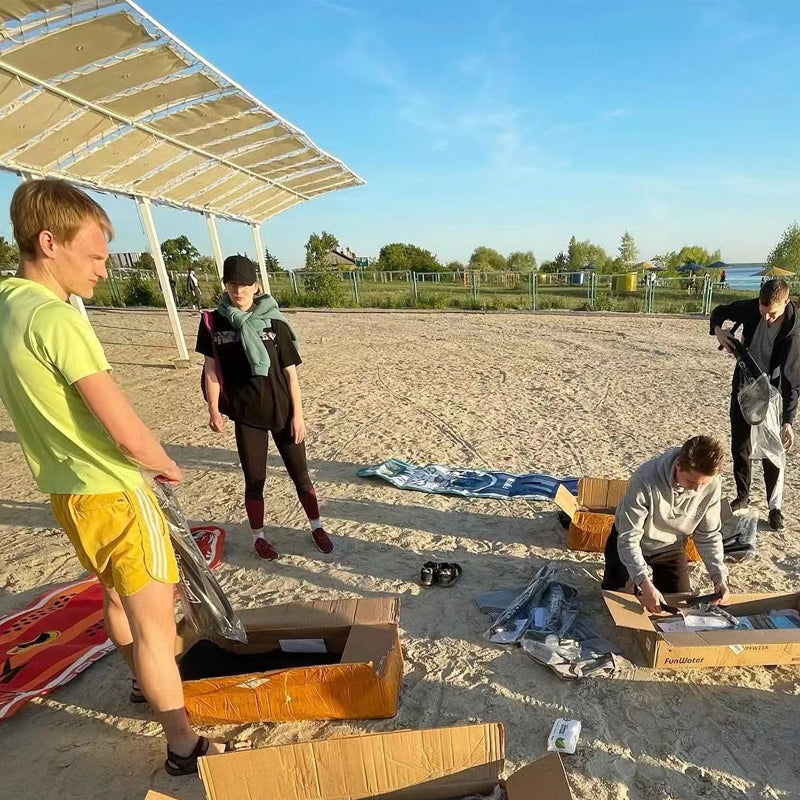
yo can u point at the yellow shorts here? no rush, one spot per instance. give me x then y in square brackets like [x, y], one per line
[122, 537]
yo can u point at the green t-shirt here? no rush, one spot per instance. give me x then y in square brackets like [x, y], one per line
[45, 347]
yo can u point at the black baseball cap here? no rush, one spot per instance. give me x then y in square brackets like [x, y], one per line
[239, 269]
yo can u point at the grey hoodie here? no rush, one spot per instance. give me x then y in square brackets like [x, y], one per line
[656, 516]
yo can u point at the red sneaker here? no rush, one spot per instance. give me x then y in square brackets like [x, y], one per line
[322, 541]
[265, 549]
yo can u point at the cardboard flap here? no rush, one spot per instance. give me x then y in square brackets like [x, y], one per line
[323, 613]
[566, 501]
[369, 644]
[402, 765]
[152, 795]
[627, 611]
[543, 779]
[601, 494]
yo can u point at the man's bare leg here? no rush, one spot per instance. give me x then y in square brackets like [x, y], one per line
[151, 618]
[119, 631]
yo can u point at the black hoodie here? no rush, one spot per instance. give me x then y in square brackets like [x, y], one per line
[784, 365]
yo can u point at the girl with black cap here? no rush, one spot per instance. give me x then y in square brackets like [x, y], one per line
[250, 376]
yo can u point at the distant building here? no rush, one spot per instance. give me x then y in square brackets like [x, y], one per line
[343, 258]
[122, 260]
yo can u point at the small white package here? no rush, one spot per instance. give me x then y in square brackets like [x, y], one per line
[564, 736]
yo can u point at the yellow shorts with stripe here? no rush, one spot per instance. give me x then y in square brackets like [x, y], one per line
[122, 537]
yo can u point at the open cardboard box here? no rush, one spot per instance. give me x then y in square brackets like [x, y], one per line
[437, 764]
[717, 648]
[591, 513]
[337, 659]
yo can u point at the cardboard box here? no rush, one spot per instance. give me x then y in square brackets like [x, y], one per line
[591, 514]
[718, 648]
[360, 637]
[435, 764]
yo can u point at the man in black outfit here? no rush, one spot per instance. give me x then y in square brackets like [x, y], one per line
[771, 334]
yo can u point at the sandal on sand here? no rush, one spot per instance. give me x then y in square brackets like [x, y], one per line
[428, 573]
[187, 765]
[448, 574]
[136, 695]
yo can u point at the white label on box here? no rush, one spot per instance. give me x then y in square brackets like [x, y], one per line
[302, 645]
[253, 684]
[737, 648]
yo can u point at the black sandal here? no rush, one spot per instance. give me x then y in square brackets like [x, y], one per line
[187, 765]
[448, 574]
[136, 695]
[428, 573]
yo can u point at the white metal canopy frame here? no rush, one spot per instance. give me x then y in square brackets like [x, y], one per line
[97, 92]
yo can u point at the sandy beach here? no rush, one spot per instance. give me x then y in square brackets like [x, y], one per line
[565, 394]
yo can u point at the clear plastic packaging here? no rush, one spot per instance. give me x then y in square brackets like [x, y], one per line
[205, 606]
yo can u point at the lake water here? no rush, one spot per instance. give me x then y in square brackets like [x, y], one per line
[741, 276]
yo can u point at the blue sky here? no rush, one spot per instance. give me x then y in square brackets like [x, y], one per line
[516, 124]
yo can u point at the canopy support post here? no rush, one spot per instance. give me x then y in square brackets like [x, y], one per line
[146, 214]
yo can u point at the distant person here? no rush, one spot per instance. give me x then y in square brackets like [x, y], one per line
[692, 286]
[669, 498]
[193, 288]
[173, 286]
[771, 334]
[86, 446]
[723, 279]
[251, 361]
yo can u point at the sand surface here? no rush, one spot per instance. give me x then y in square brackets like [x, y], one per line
[575, 395]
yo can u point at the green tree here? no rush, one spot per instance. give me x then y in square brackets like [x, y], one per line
[521, 261]
[271, 261]
[559, 264]
[786, 254]
[628, 251]
[487, 258]
[145, 261]
[581, 254]
[179, 253]
[455, 266]
[205, 264]
[9, 254]
[397, 257]
[317, 248]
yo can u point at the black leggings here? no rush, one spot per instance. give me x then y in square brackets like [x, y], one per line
[252, 444]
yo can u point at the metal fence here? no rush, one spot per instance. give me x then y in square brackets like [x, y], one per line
[584, 291]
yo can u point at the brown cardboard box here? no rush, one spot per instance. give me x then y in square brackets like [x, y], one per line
[364, 683]
[435, 764]
[719, 648]
[592, 514]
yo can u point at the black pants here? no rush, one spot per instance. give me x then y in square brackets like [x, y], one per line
[742, 469]
[252, 444]
[670, 570]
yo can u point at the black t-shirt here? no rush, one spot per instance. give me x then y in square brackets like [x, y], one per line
[260, 401]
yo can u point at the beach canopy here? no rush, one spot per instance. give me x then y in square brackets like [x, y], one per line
[773, 272]
[99, 93]
[690, 266]
[718, 265]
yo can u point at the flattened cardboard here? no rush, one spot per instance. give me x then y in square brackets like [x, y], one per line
[402, 765]
[718, 648]
[365, 684]
[592, 514]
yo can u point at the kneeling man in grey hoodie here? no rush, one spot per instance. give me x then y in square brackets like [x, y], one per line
[669, 498]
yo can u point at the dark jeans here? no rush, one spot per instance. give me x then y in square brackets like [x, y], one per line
[670, 570]
[740, 450]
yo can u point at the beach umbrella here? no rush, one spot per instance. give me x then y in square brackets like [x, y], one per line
[690, 266]
[773, 272]
[654, 267]
[718, 265]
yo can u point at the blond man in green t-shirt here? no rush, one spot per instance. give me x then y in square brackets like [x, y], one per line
[86, 446]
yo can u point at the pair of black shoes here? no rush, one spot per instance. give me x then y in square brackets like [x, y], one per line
[776, 520]
[441, 574]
